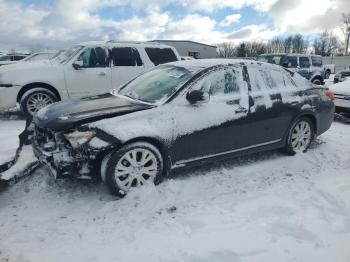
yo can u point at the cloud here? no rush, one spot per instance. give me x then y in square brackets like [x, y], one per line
[68, 22]
[230, 19]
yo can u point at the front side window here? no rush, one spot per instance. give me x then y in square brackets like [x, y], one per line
[157, 85]
[126, 56]
[316, 61]
[304, 62]
[160, 55]
[94, 57]
[224, 81]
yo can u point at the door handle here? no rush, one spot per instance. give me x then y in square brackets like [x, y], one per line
[241, 110]
[102, 74]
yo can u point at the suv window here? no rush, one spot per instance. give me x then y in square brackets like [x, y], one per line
[304, 62]
[289, 62]
[273, 78]
[126, 56]
[94, 57]
[160, 55]
[18, 57]
[316, 61]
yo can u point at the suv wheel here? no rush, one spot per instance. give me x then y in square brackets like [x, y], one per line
[35, 99]
[133, 165]
[317, 82]
[300, 136]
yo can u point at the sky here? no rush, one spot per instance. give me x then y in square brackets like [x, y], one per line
[60, 23]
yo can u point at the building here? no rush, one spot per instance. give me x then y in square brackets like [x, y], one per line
[190, 48]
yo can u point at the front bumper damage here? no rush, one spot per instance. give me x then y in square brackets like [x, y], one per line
[52, 149]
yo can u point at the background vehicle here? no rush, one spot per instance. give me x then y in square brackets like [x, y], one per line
[11, 58]
[342, 96]
[85, 69]
[328, 70]
[309, 66]
[39, 56]
[341, 75]
[187, 58]
[179, 115]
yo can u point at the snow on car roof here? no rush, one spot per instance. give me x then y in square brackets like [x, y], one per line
[123, 43]
[205, 63]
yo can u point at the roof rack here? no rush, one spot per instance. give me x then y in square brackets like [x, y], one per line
[133, 42]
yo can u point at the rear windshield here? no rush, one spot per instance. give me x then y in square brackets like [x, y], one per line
[272, 59]
[160, 55]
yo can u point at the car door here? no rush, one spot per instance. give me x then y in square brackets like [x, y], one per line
[92, 76]
[304, 66]
[273, 102]
[217, 126]
[126, 65]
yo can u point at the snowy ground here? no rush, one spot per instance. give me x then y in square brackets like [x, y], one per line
[265, 207]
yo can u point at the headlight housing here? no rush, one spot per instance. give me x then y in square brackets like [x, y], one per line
[78, 138]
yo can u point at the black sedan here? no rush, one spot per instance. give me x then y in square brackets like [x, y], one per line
[179, 115]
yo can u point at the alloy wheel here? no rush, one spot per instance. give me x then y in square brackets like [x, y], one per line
[136, 168]
[37, 101]
[301, 136]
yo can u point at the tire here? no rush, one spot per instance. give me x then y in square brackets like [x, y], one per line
[35, 99]
[317, 82]
[125, 168]
[300, 136]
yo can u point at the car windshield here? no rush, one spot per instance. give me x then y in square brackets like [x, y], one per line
[272, 59]
[156, 85]
[68, 54]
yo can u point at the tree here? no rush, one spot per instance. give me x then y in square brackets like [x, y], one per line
[287, 43]
[325, 44]
[225, 50]
[298, 44]
[241, 50]
[346, 30]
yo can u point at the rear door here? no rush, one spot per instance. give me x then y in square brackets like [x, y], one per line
[272, 103]
[94, 77]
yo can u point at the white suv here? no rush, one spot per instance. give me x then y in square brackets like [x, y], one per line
[85, 69]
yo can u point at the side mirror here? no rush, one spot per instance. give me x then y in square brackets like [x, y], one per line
[78, 64]
[197, 96]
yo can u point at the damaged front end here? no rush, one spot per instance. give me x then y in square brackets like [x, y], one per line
[74, 153]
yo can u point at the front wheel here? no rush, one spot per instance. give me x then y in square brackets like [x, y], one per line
[133, 165]
[300, 136]
[35, 99]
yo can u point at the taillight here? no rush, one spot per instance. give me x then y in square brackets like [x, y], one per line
[330, 95]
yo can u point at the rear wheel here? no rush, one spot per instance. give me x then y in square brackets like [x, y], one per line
[317, 82]
[133, 165]
[327, 74]
[35, 99]
[300, 136]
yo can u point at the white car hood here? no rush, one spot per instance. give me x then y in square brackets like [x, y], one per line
[342, 88]
[27, 65]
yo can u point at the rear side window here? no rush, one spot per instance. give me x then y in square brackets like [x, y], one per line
[304, 62]
[5, 58]
[273, 78]
[126, 56]
[160, 55]
[316, 61]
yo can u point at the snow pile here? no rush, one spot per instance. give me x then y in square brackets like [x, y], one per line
[264, 207]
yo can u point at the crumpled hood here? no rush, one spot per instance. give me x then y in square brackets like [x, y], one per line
[69, 114]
